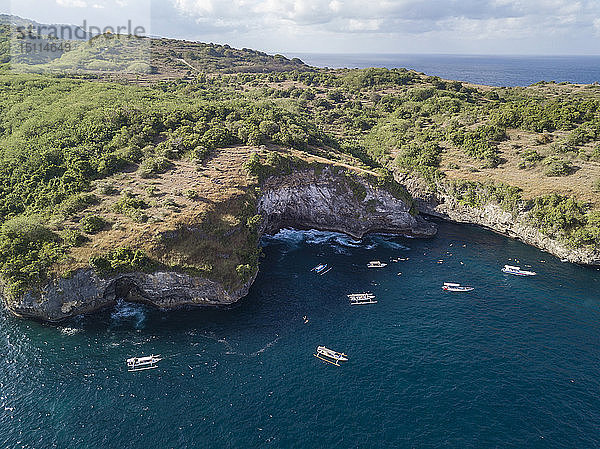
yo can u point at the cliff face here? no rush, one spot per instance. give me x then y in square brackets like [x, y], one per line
[443, 205]
[334, 203]
[85, 292]
[326, 201]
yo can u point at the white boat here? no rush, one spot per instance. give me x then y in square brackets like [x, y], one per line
[362, 298]
[452, 287]
[509, 269]
[319, 268]
[330, 356]
[376, 264]
[143, 363]
[322, 269]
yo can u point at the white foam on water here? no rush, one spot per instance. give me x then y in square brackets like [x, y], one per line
[266, 347]
[385, 240]
[127, 312]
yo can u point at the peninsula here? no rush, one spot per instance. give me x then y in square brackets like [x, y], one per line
[154, 183]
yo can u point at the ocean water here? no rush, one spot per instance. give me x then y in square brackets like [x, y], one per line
[513, 364]
[488, 70]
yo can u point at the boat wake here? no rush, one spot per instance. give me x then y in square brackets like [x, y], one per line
[265, 348]
[388, 242]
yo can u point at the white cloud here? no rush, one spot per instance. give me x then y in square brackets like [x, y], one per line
[364, 25]
[72, 3]
[393, 25]
[416, 15]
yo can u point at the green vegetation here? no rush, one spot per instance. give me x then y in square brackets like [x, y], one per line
[132, 206]
[28, 250]
[558, 167]
[556, 215]
[70, 145]
[91, 224]
[122, 260]
[567, 218]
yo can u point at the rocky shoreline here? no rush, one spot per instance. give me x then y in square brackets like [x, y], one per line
[327, 201]
[441, 204]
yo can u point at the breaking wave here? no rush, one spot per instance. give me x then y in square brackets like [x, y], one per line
[126, 312]
[295, 238]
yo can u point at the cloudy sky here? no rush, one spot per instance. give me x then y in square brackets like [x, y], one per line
[559, 27]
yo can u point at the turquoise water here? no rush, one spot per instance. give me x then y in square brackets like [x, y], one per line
[478, 69]
[512, 364]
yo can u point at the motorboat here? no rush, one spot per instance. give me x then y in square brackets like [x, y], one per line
[322, 269]
[376, 264]
[143, 363]
[319, 268]
[330, 356]
[362, 298]
[453, 287]
[509, 269]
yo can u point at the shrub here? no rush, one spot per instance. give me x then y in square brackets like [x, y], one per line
[556, 166]
[108, 189]
[531, 156]
[91, 224]
[132, 206]
[192, 194]
[153, 166]
[72, 237]
[122, 260]
[78, 202]
[27, 250]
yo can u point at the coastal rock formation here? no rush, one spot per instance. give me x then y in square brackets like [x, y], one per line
[330, 200]
[491, 216]
[85, 292]
[336, 203]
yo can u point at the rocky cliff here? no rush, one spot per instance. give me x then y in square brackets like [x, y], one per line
[440, 203]
[339, 203]
[335, 200]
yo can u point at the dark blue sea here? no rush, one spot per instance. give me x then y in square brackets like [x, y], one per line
[488, 70]
[513, 364]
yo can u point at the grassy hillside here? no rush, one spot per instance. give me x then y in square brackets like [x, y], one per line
[122, 177]
[128, 58]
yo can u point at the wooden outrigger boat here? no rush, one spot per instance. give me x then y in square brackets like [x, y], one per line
[452, 287]
[509, 269]
[376, 264]
[362, 298]
[143, 363]
[330, 356]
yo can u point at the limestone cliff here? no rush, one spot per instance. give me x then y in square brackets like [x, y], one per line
[336, 203]
[335, 200]
[440, 203]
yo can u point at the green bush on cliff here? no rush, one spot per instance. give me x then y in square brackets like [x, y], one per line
[476, 194]
[558, 214]
[122, 260]
[132, 206]
[27, 251]
[91, 224]
[244, 271]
